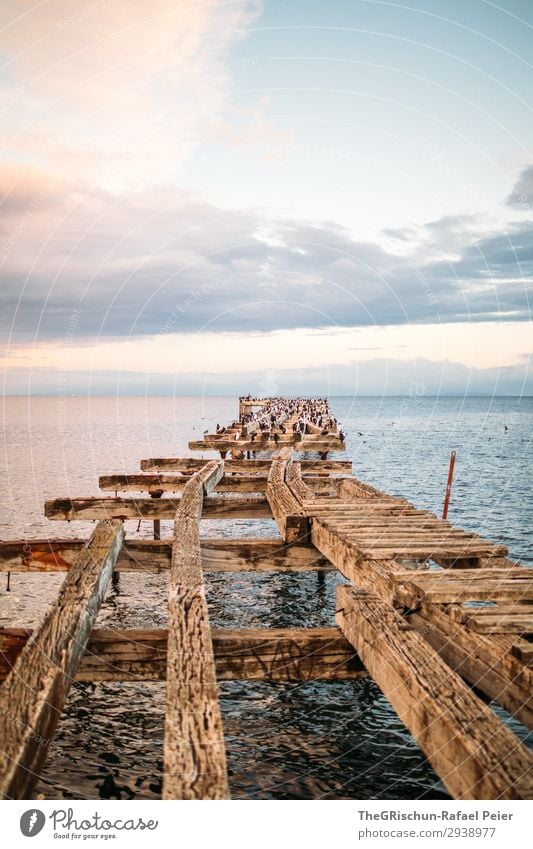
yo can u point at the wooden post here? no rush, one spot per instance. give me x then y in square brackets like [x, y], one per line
[157, 522]
[448, 486]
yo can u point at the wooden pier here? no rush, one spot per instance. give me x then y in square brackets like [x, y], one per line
[441, 619]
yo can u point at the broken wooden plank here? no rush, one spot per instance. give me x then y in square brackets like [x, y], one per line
[474, 754]
[215, 507]
[194, 753]
[497, 619]
[248, 654]
[523, 650]
[292, 522]
[32, 697]
[483, 660]
[444, 587]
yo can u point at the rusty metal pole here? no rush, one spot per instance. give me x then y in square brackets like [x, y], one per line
[448, 486]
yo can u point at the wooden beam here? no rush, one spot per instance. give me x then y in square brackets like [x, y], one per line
[194, 753]
[292, 521]
[485, 662]
[216, 507]
[474, 754]
[445, 587]
[192, 464]
[145, 555]
[250, 654]
[32, 697]
[260, 555]
[159, 483]
[376, 575]
[308, 443]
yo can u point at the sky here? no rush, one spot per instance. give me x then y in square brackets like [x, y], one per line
[272, 197]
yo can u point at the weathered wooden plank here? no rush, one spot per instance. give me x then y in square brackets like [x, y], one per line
[261, 555]
[374, 575]
[467, 585]
[481, 660]
[296, 484]
[289, 515]
[259, 654]
[215, 507]
[523, 650]
[499, 619]
[308, 443]
[228, 483]
[146, 555]
[32, 697]
[194, 753]
[192, 464]
[475, 755]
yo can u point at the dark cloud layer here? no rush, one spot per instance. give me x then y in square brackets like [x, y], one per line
[165, 261]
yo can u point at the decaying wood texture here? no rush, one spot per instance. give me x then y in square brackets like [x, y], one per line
[144, 555]
[260, 555]
[258, 654]
[32, 697]
[228, 483]
[308, 443]
[292, 521]
[475, 755]
[243, 467]
[194, 754]
[483, 661]
[445, 587]
[215, 507]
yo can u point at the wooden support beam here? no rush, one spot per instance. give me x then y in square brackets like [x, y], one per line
[215, 507]
[474, 754]
[144, 555]
[292, 521]
[296, 484]
[157, 484]
[376, 575]
[192, 464]
[250, 654]
[308, 443]
[485, 662]
[194, 753]
[260, 555]
[32, 697]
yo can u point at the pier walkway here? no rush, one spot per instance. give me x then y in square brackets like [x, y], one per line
[441, 619]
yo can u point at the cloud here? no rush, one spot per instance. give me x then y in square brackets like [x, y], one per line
[163, 259]
[113, 90]
[521, 197]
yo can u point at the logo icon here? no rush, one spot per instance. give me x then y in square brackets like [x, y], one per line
[32, 822]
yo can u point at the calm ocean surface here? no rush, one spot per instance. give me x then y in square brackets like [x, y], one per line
[314, 740]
